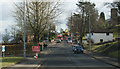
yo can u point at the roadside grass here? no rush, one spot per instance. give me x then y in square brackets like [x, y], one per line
[8, 61]
[115, 54]
[108, 49]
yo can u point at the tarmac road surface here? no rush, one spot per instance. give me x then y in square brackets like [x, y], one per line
[61, 56]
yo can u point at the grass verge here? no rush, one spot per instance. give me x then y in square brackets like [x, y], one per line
[8, 61]
[109, 49]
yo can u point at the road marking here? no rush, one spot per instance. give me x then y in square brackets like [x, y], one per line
[38, 66]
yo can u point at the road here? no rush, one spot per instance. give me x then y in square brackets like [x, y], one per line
[61, 56]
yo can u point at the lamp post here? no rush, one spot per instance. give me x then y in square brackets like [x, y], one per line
[89, 32]
[24, 21]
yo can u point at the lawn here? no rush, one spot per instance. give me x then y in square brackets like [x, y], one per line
[8, 61]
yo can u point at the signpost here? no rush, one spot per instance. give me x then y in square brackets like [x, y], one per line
[3, 50]
[37, 49]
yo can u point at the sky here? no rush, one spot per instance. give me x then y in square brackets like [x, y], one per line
[68, 7]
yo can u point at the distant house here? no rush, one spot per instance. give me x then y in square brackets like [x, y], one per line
[100, 36]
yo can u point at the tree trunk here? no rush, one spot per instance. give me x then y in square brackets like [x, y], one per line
[35, 38]
[80, 40]
[38, 38]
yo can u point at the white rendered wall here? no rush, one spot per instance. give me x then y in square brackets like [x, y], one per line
[97, 36]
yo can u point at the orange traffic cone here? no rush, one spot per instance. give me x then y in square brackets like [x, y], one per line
[36, 55]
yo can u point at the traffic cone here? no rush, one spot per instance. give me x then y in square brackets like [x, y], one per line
[36, 55]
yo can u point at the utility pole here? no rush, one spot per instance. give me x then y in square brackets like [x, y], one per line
[24, 21]
[89, 32]
[71, 27]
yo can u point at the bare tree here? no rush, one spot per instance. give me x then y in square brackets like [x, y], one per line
[79, 22]
[6, 37]
[115, 4]
[38, 16]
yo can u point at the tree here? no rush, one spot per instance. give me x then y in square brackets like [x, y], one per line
[115, 4]
[6, 37]
[79, 22]
[16, 34]
[103, 24]
[61, 30]
[102, 16]
[38, 16]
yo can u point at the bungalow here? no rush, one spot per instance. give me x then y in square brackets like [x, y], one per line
[98, 37]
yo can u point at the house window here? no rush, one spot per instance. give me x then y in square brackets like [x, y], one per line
[107, 34]
[92, 33]
[101, 40]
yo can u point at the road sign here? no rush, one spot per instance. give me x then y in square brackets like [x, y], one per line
[35, 48]
[3, 48]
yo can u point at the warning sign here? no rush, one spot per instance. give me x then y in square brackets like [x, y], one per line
[35, 48]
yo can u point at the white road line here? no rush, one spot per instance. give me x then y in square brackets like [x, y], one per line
[38, 66]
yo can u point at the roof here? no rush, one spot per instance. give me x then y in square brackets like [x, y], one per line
[101, 31]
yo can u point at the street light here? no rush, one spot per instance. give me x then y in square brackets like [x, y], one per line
[89, 32]
[89, 29]
[24, 21]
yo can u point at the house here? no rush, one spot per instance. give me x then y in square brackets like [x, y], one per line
[99, 36]
[105, 35]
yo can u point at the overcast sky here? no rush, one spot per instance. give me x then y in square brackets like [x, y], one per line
[68, 7]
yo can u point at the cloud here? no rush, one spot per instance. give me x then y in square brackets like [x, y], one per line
[102, 8]
[6, 11]
[6, 25]
[68, 7]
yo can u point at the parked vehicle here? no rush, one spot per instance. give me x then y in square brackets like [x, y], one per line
[69, 41]
[69, 38]
[77, 49]
[66, 38]
[60, 37]
[58, 41]
[74, 41]
[45, 45]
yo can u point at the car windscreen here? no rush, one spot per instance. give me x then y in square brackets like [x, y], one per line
[78, 47]
[59, 37]
[69, 38]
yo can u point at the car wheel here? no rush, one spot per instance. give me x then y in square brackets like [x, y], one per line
[81, 51]
[75, 52]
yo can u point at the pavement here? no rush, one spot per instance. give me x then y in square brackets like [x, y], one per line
[112, 61]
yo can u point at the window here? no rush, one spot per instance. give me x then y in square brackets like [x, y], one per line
[92, 33]
[107, 34]
[101, 40]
